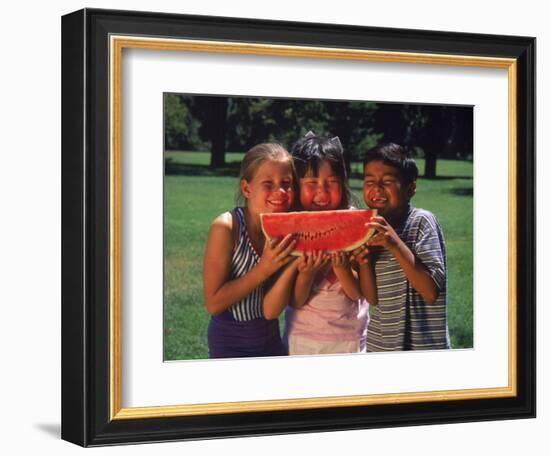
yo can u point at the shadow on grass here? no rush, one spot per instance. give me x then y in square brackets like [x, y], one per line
[462, 191]
[446, 177]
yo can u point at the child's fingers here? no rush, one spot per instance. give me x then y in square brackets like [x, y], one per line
[286, 240]
[359, 252]
[379, 219]
[362, 260]
[286, 250]
[377, 226]
[271, 243]
[282, 243]
[319, 259]
[313, 259]
[373, 239]
[378, 240]
[363, 257]
[343, 258]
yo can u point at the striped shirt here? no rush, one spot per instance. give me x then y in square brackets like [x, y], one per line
[243, 260]
[402, 320]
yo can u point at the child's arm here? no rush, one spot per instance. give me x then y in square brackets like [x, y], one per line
[219, 291]
[278, 295]
[308, 265]
[367, 276]
[342, 268]
[414, 270]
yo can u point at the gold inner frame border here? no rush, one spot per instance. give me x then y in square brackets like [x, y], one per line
[116, 46]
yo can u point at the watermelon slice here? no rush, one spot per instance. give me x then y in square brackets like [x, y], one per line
[330, 231]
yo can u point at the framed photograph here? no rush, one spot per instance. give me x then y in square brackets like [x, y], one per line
[158, 111]
[201, 181]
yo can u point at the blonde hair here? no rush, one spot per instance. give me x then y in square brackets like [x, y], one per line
[259, 154]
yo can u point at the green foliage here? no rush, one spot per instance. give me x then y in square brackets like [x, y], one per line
[180, 126]
[254, 120]
[238, 123]
[365, 144]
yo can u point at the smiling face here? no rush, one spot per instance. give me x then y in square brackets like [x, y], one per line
[322, 192]
[271, 187]
[384, 190]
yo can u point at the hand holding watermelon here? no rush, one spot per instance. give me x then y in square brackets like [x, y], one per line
[340, 260]
[361, 255]
[311, 262]
[416, 273]
[385, 234]
[276, 254]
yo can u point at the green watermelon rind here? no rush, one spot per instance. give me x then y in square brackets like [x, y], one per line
[350, 248]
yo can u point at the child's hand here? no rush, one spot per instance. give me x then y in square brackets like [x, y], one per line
[361, 255]
[339, 260]
[342, 270]
[311, 262]
[276, 254]
[385, 234]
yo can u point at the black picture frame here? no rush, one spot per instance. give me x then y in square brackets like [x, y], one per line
[86, 254]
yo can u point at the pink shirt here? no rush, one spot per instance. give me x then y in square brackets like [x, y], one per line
[328, 314]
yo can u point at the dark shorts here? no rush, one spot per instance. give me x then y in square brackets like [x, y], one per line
[236, 339]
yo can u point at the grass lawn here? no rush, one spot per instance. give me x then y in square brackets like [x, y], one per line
[193, 201]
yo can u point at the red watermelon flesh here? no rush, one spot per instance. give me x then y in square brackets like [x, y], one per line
[330, 231]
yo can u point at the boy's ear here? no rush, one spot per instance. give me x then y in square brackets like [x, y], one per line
[245, 188]
[411, 190]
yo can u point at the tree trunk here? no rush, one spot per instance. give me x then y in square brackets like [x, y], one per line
[430, 163]
[344, 139]
[219, 131]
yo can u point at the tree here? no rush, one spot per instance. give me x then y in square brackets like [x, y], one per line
[180, 126]
[353, 123]
[239, 123]
[211, 113]
[218, 130]
[440, 131]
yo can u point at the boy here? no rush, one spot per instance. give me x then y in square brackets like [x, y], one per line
[403, 270]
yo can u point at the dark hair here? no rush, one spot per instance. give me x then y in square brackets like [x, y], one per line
[308, 153]
[394, 155]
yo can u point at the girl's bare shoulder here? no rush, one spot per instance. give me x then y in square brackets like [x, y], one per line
[225, 225]
[223, 221]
